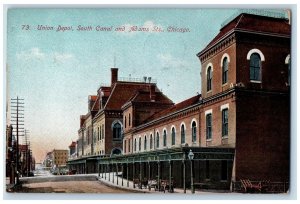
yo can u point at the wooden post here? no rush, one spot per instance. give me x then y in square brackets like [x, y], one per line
[184, 187]
[140, 175]
[170, 175]
[117, 174]
[133, 172]
[113, 175]
[98, 170]
[122, 173]
[108, 172]
[158, 175]
[105, 172]
[127, 172]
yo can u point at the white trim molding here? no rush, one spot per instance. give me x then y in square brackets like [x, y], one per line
[194, 119]
[287, 59]
[182, 123]
[208, 112]
[209, 65]
[224, 55]
[224, 106]
[262, 57]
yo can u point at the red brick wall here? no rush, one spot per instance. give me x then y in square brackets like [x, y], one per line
[215, 60]
[217, 139]
[274, 69]
[263, 136]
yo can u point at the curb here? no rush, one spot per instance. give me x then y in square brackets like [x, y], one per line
[122, 188]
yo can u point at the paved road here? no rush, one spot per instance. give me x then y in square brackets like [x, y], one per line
[69, 187]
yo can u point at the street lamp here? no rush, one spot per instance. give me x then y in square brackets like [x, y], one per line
[191, 157]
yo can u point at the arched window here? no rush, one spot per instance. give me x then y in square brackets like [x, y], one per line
[117, 131]
[157, 140]
[182, 134]
[125, 121]
[173, 136]
[194, 132]
[145, 143]
[165, 138]
[225, 70]
[209, 78]
[255, 67]
[140, 144]
[151, 141]
[135, 144]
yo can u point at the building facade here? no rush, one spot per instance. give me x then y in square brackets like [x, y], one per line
[238, 128]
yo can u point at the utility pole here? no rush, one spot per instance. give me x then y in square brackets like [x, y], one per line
[17, 112]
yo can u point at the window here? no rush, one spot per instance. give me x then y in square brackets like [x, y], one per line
[151, 141]
[145, 143]
[117, 131]
[140, 144]
[125, 141]
[224, 170]
[225, 70]
[194, 132]
[157, 140]
[100, 132]
[165, 138]
[98, 129]
[129, 120]
[225, 122]
[125, 121]
[103, 131]
[135, 144]
[182, 134]
[209, 78]
[173, 136]
[255, 67]
[208, 126]
[129, 145]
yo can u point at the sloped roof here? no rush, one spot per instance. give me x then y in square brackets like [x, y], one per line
[95, 107]
[177, 107]
[252, 23]
[144, 96]
[122, 92]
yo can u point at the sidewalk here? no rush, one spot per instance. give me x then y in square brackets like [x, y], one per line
[117, 183]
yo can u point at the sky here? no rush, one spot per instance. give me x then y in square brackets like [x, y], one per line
[55, 71]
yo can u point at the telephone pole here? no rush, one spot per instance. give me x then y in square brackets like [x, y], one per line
[17, 120]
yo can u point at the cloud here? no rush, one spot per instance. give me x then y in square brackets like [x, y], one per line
[168, 61]
[33, 53]
[36, 53]
[61, 57]
[147, 27]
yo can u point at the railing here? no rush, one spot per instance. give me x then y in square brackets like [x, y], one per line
[142, 80]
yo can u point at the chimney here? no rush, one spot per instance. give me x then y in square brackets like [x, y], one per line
[114, 75]
[152, 92]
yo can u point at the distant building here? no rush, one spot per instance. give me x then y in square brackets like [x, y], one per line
[60, 157]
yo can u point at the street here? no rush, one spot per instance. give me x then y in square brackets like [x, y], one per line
[69, 187]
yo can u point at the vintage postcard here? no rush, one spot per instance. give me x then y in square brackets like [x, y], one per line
[156, 101]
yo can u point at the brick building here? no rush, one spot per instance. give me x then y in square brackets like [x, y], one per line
[238, 128]
[60, 157]
[101, 129]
